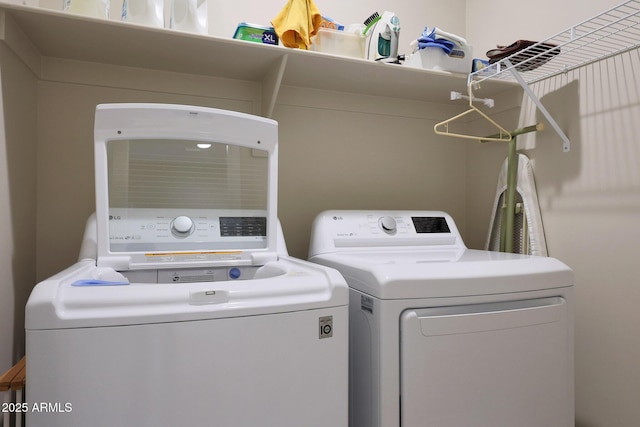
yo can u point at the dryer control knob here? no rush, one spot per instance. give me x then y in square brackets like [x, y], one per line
[182, 226]
[388, 224]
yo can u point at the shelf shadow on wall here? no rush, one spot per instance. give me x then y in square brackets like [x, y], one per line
[553, 167]
[599, 109]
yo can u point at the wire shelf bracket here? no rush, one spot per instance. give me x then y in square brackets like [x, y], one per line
[610, 33]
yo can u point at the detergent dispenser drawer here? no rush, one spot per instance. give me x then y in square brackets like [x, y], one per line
[499, 364]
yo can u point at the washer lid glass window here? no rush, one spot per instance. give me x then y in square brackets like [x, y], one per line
[184, 195]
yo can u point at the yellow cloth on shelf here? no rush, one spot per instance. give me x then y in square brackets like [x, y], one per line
[297, 22]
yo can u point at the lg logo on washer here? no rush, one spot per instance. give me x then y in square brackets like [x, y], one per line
[326, 327]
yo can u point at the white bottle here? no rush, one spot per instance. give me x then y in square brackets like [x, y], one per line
[189, 15]
[145, 12]
[94, 8]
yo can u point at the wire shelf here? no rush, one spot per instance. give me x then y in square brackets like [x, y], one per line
[610, 33]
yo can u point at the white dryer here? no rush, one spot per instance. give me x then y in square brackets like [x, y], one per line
[185, 308]
[445, 336]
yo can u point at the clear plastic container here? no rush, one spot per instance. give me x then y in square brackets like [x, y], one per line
[339, 43]
[189, 15]
[94, 8]
[145, 12]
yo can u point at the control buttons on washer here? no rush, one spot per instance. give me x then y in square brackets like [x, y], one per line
[388, 224]
[182, 226]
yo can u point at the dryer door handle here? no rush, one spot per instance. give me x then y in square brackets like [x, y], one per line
[488, 317]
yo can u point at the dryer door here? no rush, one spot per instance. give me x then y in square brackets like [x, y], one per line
[499, 365]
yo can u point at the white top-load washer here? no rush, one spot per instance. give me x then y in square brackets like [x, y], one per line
[445, 336]
[184, 308]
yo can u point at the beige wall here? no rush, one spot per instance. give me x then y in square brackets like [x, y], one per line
[17, 201]
[590, 198]
[360, 152]
[336, 151]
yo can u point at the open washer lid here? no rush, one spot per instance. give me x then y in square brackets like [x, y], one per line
[182, 186]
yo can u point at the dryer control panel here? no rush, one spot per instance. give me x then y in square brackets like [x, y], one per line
[340, 230]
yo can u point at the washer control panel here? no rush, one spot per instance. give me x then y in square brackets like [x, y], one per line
[167, 229]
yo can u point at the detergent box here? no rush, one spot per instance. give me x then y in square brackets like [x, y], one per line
[256, 33]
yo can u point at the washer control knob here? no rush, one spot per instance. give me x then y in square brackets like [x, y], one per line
[388, 224]
[182, 226]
